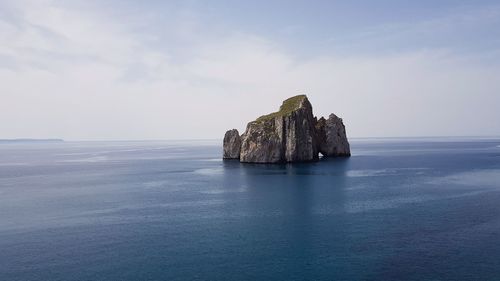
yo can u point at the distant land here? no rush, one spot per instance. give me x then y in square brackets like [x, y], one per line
[30, 140]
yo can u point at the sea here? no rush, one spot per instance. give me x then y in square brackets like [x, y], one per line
[398, 209]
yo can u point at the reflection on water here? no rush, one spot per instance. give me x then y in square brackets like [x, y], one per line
[289, 188]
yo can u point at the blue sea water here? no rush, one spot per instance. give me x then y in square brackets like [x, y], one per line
[398, 209]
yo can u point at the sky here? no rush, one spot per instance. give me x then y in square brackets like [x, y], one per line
[139, 70]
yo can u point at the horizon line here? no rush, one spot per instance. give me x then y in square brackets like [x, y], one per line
[220, 139]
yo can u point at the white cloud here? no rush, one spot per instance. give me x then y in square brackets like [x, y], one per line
[79, 75]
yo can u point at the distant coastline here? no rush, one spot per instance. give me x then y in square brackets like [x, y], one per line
[29, 140]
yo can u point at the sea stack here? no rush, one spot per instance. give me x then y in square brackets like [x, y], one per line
[232, 144]
[291, 134]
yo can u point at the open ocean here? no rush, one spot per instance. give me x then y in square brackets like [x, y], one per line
[398, 209]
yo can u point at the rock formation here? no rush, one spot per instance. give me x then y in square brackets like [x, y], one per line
[292, 134]
[332, 139]
[232, 144]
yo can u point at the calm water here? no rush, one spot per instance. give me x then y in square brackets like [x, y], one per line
[397, 210]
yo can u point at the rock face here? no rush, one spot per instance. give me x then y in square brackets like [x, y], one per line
[292, 134]
[232, 144]
[283, 136]
[332, 139]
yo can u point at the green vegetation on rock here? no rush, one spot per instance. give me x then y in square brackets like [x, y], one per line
[288, 106]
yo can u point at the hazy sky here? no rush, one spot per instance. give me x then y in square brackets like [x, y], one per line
[192, 69]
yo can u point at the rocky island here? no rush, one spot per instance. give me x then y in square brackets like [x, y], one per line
[291, 134]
